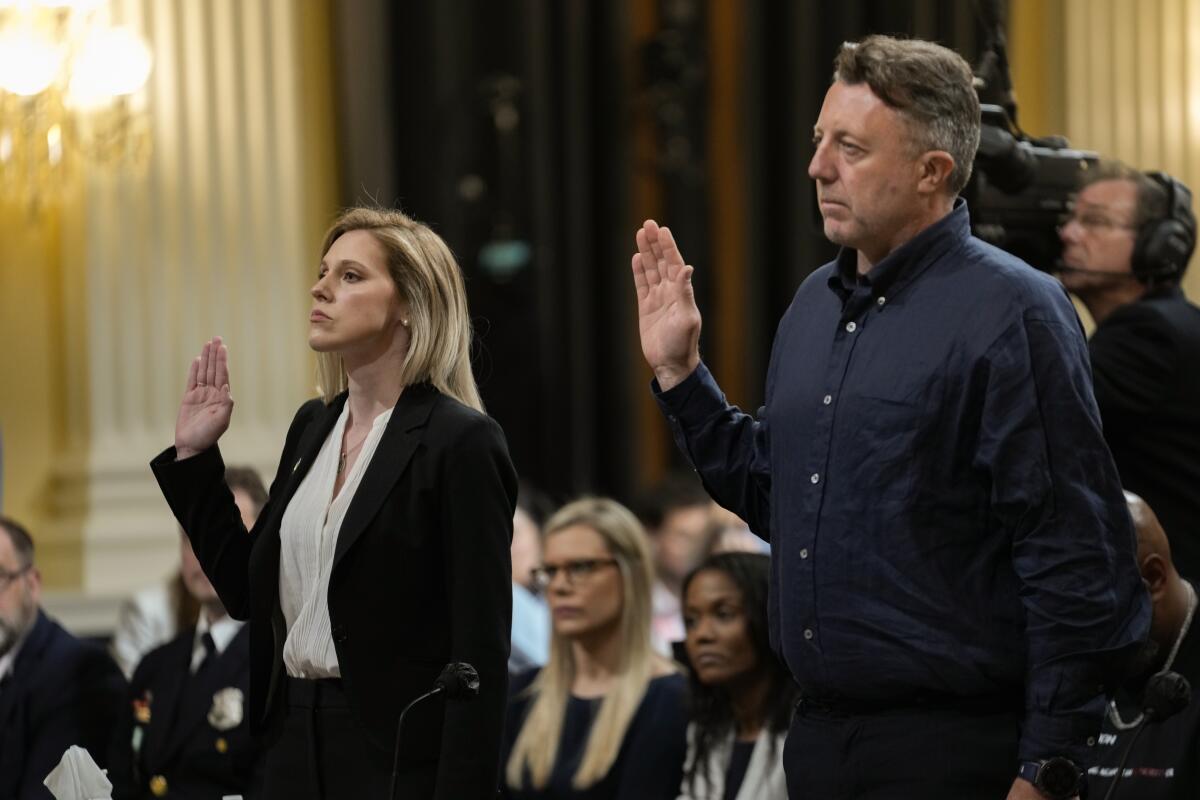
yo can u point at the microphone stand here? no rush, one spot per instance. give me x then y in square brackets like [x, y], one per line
[436, 690]
[458, 680]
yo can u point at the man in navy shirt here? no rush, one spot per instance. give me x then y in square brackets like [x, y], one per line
[953, 578]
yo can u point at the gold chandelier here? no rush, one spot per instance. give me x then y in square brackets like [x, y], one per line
[68, 84]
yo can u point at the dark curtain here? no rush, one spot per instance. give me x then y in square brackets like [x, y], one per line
[535, 135]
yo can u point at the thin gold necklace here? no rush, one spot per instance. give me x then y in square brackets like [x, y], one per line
[347, 451]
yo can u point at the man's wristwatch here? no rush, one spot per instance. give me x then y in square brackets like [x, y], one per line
[1057, 778]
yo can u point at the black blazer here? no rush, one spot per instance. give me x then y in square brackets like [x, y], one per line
[421, 576]
[1146, 366]
[190, 731]
[61, 692]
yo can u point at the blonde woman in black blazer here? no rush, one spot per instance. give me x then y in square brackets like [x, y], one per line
[393, 559]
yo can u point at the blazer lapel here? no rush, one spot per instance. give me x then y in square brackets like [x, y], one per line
[306, 454]
[164, 703]
[395, 450]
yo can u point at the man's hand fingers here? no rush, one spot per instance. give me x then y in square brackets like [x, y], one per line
[671, 259]
[649, 265]
[652, 231]
[639, 278]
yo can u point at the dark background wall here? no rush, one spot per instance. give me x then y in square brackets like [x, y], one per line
[536, 135]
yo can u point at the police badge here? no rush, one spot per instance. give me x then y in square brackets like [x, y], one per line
[226, 711]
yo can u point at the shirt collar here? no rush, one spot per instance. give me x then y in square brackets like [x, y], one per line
[222, 631]
[907, 261]
[9, 660]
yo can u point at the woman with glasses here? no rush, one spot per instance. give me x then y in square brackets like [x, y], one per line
[604, 718]
[741, 694]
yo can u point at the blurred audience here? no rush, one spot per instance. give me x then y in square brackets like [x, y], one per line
[55, 691]
[676, 514]
[184, 732]
[605, 717]
[154, 615]
[1164, 763]
[530, 618]
[728, 533]
[741, 695]
[1126, 248]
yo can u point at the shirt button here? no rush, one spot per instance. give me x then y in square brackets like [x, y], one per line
[851, 326]
[1091, 741]
[815, 478]
[808, 634]
[804, 552]
[881, 301]
[827, 399]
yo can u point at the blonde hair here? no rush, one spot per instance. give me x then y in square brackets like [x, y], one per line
[429, 279]
[536, 747]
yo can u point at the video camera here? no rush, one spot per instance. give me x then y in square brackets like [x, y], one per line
[1021, 188]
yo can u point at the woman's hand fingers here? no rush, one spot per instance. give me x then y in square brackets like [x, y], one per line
[222, 371]
[193, 374]
[214, 350]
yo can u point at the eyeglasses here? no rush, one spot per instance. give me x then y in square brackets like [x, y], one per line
[1094, 222]
[8, 576]
[575, 571]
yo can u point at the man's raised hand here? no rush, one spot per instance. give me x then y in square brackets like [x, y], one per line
[668, 319]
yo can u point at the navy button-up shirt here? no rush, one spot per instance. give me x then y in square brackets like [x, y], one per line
[929, 468]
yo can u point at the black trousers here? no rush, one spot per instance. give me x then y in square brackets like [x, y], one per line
[929, 753]
[322, 753]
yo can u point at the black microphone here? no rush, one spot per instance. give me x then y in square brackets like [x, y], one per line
[1165, 695]
[458, 681]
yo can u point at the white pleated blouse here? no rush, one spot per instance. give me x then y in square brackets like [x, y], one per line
[308, 538]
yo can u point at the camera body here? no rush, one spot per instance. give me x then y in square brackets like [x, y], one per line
[1022, 188]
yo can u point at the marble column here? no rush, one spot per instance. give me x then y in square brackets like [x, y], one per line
[209, 236]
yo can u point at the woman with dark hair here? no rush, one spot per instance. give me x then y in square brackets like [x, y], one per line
[741, 694]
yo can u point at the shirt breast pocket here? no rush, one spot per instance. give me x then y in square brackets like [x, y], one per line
[886, 436]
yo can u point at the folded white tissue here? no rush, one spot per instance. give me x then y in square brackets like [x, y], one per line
[78, 778]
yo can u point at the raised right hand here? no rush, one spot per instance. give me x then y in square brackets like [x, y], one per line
[207, 403]
[668, 319]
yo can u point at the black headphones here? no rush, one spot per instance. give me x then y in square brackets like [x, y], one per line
[1163, 246]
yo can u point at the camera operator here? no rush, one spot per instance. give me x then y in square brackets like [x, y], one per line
[1125, 249]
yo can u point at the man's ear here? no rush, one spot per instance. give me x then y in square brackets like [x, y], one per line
[933, 171]
[35, 584]
[1154, 575]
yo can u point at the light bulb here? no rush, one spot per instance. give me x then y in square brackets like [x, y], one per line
[111, 62]
[29, 61]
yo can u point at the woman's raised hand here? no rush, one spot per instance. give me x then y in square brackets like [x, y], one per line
[207, 403]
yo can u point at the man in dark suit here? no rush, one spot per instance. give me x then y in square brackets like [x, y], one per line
[1125, 250]
[186, 731]
[55, 691]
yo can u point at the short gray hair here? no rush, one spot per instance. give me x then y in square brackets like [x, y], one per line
[931, 86]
